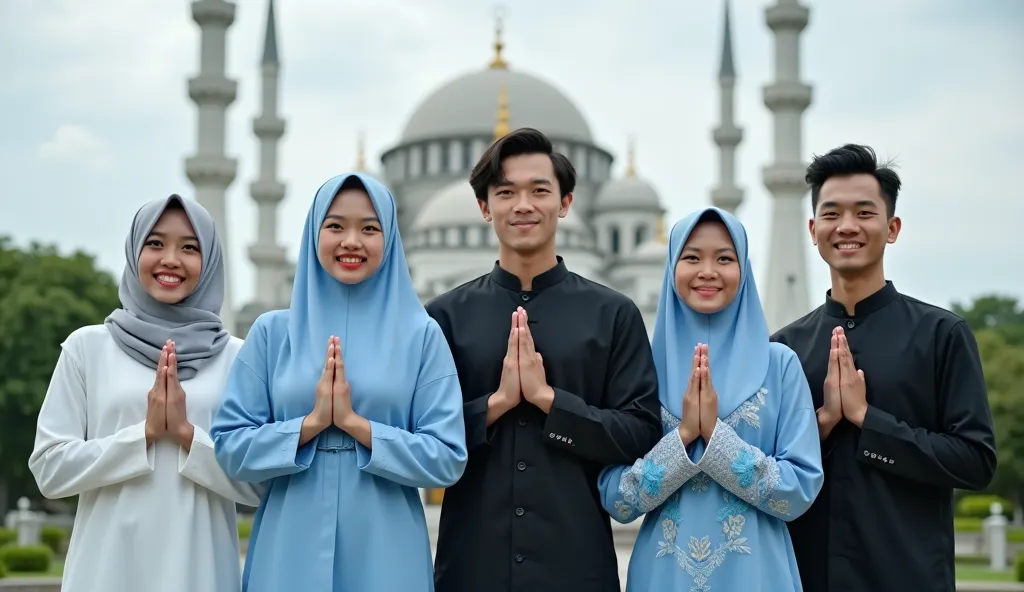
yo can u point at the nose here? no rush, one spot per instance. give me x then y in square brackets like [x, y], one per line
[706, 272]
[170, 259]
[847, 225]
[351, 240]
[523, 205]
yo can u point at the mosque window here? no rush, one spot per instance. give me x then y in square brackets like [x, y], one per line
[580, 161]
[641, 235]
[415, 161]
[433, 158]
[463, 236]
[456, 160]
[615, 240]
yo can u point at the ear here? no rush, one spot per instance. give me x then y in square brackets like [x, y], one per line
[810, 228]
[485, 210]
[566, 201]
[895, 225]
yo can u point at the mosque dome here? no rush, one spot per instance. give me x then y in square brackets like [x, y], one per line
[465, 106]
[630, 192]
[652, 251]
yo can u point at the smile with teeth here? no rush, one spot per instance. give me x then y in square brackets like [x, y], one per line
[350, 262]
[848, 246]
[168, 280]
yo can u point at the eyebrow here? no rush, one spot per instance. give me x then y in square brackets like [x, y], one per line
[861, 203]
[717, 251]
[533, 181]
[366, 219]
[162, 235]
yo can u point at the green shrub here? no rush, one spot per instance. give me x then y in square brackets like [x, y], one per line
[55, 538]
[963, 524]
[3, 570]
[244, 529]
[7, 535]
[1018, 566]
[979, 506]
[976, 559]
[29, 559]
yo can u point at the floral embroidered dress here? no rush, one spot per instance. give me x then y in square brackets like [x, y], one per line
[715, 515]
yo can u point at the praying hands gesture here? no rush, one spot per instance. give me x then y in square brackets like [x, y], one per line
[845, 391]
[700, 401]
[333, 402]
[522, 371]
[166, 411]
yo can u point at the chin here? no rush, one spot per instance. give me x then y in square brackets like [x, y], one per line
[705, 306]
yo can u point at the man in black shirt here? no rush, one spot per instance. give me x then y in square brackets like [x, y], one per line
[559, 382]
[903, 411]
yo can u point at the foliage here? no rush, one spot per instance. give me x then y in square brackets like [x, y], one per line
[979, 506]
[28, 559]
[1018, 565]
[55, 538]
[7, 535]
[1001, 314]
[44, 296]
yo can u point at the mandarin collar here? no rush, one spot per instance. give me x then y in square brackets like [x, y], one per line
[542, 281]
[872, 303]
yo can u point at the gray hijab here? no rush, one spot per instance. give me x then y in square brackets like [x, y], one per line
[142, 324]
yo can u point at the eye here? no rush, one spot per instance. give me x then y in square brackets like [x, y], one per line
[542, 190]
[192, 248]
[866, 213]
[333, 226]
[153, 243]
[725, 259]
[371, 229]
[691, 258]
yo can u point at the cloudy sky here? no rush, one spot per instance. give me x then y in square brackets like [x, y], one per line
[95, 117]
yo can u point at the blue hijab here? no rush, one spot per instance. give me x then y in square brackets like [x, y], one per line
[737, 336]
[370, 318]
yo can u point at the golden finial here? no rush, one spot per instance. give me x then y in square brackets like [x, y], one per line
[661, 231]
[501, 128]
[361, 152]
[498, 63]
[631, 158]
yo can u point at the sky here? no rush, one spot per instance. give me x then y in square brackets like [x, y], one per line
[95, 117]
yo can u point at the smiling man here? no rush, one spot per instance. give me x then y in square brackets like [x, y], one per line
[559, 382]
[902, 408]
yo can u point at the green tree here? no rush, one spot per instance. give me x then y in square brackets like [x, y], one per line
[1002, 314]
[1004, 378]
[44, 296]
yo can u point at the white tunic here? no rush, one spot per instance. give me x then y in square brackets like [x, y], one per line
[150, 519]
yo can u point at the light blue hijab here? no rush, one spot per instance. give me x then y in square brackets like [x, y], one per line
[370, 318]
[737, 336]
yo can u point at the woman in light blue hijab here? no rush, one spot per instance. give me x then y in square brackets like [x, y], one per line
[740, 456]
[343, 405]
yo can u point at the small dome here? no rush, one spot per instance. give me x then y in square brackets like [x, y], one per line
[652, 251]
[452, 205]
[627, 193]
[456, 205]
[468, 106]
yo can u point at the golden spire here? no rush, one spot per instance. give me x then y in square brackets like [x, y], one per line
[501, 127]
[631, 158]
[661, 238]
[498, 63]
[361, 152]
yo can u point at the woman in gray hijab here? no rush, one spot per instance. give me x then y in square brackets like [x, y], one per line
[125, 419]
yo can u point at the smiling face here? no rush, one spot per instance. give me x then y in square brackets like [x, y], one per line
[351, 243]
[851, 226]
[708, 271]
[171, 259]
[526, 206]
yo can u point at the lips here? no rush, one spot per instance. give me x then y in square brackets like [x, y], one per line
[847, 246]
[525, 224]
[707, 291]
[168, 280]
[350, 262]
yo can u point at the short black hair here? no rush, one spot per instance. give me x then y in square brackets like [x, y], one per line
[853, 159]
[487, 171]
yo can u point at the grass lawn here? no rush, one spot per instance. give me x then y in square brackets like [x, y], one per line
[981, 573]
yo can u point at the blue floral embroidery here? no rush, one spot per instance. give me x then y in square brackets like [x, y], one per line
[671, 510]
[651, 476]
[745, 468]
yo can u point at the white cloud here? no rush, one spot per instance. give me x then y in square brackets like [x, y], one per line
[76, 146]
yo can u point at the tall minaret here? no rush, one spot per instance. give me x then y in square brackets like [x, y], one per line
[210, 170]
[268, 257]
[727, 136]
[787, 98]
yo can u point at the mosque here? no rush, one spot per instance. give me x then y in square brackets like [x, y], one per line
[614, 233]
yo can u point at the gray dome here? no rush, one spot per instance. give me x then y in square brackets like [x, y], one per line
[468, 105]
[627, 193]
[652, 251]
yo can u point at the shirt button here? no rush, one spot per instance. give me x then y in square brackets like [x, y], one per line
[520, 511]
[850, 324]
[525, 297]
[522, 421]
[521, 466]
[519, 557]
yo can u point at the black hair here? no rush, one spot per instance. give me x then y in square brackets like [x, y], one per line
[853, 159]
[487, 172]
[352, 182]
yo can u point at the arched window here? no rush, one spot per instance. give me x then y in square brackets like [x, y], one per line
[641, 235]
[615, 240]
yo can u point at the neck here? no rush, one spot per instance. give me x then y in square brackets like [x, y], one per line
[527, 266]
[848, 289]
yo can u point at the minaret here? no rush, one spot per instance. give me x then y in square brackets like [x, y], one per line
[210, 170]
[631, 158]
[267, 256]
[727, 136]
[787, 98]
[361, 153]
[498, 63]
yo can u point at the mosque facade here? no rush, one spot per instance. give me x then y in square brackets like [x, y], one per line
[614, 232]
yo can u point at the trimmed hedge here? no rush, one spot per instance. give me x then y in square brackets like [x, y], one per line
[28, 559]
[979, 506]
